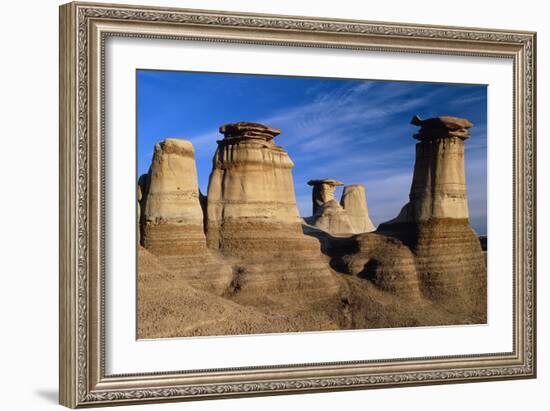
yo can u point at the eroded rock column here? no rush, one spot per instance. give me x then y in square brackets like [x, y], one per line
[172, 217]
[434, 223]
[253, 219]
[172, 209]
[439, 182]
[251, 184]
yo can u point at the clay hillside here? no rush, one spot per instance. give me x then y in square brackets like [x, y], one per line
[241, 260]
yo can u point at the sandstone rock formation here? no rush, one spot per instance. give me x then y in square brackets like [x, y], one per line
[250, 183]
[253, 219]
[172, 222]
[259, 269]
[332, 218]
[434, 224]
[354, 201]
[439, 181]
[348, 217]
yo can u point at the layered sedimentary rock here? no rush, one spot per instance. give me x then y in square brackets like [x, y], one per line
[386, 262]
[439, 182]
[172, 222]
[354, 201]
[250, 183]
[348, 217]
[252, 218]
[434, 224]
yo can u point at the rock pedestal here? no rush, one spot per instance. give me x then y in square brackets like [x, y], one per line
[253, 219]
[172, 222]
[250, 183]
[439, 182]
[434, 223]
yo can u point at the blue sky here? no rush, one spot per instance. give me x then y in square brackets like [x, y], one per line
[356, 131]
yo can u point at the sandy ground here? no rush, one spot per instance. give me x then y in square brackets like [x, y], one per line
[169, 307]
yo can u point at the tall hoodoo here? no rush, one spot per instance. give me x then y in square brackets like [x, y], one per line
[172, 220]
[253, 219]
[251, 180]
[434, 223]
[439, 184]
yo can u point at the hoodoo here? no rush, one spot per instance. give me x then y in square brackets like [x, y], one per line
[348, 217]
[252, 218]
[434, 223]
[241, 259]
[172, 222]
[328, 214]
[439, 181]
[250, 184]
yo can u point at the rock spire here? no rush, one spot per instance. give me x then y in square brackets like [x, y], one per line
[439, 183]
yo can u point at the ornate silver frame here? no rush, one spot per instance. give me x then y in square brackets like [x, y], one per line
[83, 30]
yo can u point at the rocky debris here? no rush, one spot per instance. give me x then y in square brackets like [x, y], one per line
[354, 202]
[172, 222]
[348, 217]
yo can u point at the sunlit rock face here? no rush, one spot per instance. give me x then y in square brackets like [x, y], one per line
[434, 224]
[253, 219]
[172, 222]
[354, 201]
[251, 181]
[173, 195]
[439, 181]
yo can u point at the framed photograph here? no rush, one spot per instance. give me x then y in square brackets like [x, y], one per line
[260, 204]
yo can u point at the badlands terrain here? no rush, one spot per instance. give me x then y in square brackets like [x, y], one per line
[241, 260]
